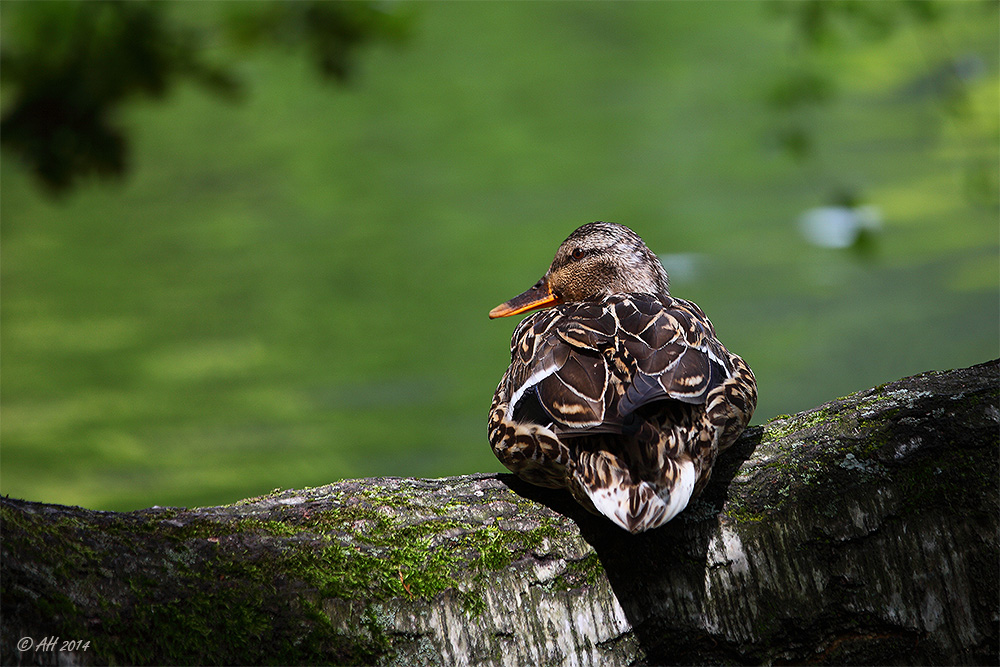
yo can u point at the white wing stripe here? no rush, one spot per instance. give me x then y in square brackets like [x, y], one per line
[532, 380]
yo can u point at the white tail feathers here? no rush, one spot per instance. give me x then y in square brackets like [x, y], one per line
[643, 506]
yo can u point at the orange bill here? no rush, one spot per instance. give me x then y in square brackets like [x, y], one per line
[539, 296]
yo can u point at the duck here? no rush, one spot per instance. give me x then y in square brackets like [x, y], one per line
[616, 390]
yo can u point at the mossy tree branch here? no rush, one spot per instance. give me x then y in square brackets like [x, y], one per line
[864, 531]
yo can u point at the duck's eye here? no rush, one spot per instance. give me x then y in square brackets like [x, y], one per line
[578, 253]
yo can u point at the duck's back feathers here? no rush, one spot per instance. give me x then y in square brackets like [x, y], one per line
[594, 364]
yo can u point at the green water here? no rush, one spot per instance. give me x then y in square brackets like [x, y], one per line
[293, 290]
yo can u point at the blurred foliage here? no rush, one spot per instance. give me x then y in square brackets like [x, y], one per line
[824, 26]
[834, 22]
[71, 65]
[330, 32]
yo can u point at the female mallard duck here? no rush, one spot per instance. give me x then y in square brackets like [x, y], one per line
[620, 392]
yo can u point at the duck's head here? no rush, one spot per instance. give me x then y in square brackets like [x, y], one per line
[597, 260]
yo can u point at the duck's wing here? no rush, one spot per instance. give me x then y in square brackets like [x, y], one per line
[669, 349]
[677, 356]
[556, 370]
[588, 366]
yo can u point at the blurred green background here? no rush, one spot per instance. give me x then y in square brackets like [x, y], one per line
[291, 288]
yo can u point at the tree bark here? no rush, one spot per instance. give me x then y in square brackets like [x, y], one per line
[864, 531]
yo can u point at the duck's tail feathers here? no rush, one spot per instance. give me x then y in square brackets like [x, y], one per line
[635, 506]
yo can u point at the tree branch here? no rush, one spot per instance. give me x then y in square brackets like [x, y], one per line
[864, 531]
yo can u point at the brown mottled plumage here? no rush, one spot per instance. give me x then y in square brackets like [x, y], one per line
[620, 392]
